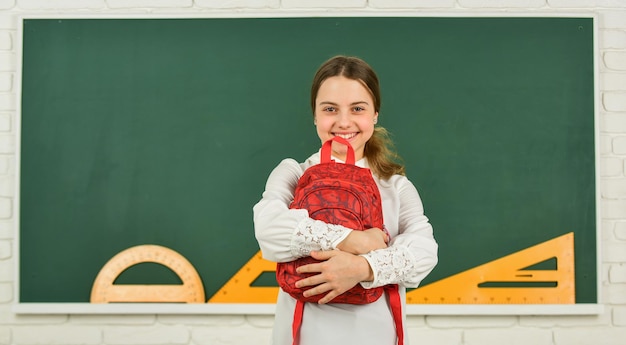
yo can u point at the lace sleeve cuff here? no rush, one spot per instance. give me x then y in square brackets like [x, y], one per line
[390, 266]
[313, 234]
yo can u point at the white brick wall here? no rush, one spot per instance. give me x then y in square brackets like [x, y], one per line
[620, 231]
[608, 328]
[509, 336]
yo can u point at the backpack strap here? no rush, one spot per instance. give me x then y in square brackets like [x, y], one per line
[297, 322]
[325, 156]
[396, 310]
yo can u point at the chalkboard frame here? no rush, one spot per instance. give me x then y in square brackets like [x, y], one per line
[64, 308]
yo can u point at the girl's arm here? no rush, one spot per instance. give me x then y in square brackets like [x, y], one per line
[286, 234]
[412, 253]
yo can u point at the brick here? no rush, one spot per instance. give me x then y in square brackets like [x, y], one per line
[5, 335]
[613, 209]
[205, 320]
[7, 271]
[427, 336]
[231, 335]
[606, 230]
[57, 334]
[613, 81]
[7, 4]
[6, 229]
[7, 163]
[127, 319]
[619, 145]
[152, 335]
[61, 4]
[614, 101]
[8, 22]
[606, 144]
[617, 273]
[238, 3]
[5, 126]
[404, 4]
[7, 185]
[416, 321]
[6, 293]
[149, 3]
[6, 41]
[502, 3]
[507, 336]
[470, 321]
[7, 101]
[323, 4]
[6, 208]
[620, 231]
[611, 188]
[5, 249]
[586, 3]
[7, 62]
[612, 19]
[585, 335]
[7, 143]
[611, 167]
[6, 82]
[615, 60]
[613, 251]
[619, 316]
[613, 39]
[614, 123]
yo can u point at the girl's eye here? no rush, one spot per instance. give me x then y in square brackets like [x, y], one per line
[358, 109]
[330, 109]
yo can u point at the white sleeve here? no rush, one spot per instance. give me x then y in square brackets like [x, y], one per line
[286, 234]
[412, 254]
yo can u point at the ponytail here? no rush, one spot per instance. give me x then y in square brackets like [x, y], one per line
[381, 156]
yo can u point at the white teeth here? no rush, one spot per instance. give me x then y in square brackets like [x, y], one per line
[346, 136]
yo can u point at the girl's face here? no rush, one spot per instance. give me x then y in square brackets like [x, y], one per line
[344, 107]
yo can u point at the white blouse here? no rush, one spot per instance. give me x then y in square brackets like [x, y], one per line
[285, 235]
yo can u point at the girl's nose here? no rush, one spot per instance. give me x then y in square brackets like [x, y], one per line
[343, 119]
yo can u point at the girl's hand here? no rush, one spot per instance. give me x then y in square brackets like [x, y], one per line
[363, 242]
[338, 273]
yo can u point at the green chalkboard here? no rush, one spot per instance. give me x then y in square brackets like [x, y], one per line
[163, 131]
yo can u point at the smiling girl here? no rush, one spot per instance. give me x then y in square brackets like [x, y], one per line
[345, 99]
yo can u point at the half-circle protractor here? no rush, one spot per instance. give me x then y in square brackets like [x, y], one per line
[190, 291]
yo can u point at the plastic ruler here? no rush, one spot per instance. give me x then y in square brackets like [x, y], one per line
[508, 281]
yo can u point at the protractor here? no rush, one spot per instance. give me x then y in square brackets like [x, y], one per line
[190, 291]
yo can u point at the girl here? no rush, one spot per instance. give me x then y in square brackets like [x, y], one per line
[345, 99]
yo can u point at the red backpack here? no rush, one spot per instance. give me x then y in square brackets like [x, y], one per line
[342, 194]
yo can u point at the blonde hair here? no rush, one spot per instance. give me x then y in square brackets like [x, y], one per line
[379, 150]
